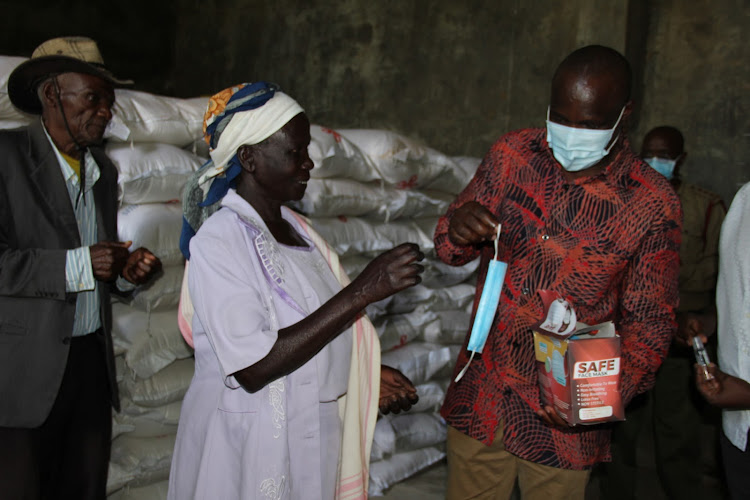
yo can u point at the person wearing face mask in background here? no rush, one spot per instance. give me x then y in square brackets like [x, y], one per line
[585, 217]
[675, 408]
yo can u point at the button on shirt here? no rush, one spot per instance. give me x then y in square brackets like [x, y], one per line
[608, 243]
[79, 275]
[733, 305]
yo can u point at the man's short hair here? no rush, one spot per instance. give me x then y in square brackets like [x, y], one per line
[598, 60]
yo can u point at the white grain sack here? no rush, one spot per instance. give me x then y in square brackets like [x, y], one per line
[10, 116]
[167, 386]
[143, 117]
[139, 461]
[162, 293]
[156, 226]
[386, 473]
[335, 156]
[151, 172]
[405, 162]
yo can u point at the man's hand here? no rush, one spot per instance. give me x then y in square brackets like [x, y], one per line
[691, 325]
[550, 416]
[108, 258]
[397, 393]
[141, 265]
[471, 223]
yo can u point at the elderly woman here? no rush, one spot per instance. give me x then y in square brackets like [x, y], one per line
[284, 394]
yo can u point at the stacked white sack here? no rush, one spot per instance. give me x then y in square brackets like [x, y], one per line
[10, 117]
[146, 138]
[370, 191]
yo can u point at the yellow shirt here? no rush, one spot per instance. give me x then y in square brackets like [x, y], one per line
[74, 164]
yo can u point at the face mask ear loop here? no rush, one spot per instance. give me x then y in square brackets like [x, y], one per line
[465, 368]
[622, 112]
[497, 240]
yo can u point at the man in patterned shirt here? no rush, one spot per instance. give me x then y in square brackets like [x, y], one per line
[583, 216]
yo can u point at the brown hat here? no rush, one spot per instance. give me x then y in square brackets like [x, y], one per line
[69, 54]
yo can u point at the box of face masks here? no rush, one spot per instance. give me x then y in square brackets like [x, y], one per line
[579, 373]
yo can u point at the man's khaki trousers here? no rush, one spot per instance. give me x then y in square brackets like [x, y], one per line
[478, 471]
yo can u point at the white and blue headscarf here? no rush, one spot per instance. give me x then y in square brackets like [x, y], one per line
[244, 114]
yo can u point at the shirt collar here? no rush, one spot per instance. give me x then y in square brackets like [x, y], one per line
[241, 207]
[91, 169]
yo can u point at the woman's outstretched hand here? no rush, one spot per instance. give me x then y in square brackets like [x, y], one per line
[388, 273]
[397, 393]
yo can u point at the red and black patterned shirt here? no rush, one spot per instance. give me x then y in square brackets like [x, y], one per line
[608, 243]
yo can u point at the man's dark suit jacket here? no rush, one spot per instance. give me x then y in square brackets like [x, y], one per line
[37, 227]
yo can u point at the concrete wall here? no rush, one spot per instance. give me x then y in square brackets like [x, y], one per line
[136, 37]
[459, 74]
[697, 78]
[455, 74]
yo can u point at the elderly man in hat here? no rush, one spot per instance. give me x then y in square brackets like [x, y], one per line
[59, 259]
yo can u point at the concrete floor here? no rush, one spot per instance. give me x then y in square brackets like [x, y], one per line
[429, 484]
[426, 485]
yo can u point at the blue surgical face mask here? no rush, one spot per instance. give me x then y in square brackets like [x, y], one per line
[665, 166]
[579, 148]
[493, 285]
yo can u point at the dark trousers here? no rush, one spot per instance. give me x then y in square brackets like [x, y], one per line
[736, 469]
[671, 411]
[66, 457]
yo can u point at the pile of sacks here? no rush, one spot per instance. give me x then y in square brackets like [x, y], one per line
[370, 191]
[150, 141]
